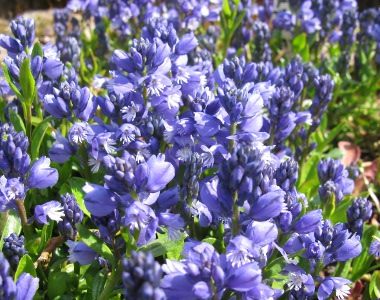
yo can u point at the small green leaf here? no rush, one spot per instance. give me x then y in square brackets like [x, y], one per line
[165, 245]
[299, 43]
[333, 133]
[305, 53]
[339, 215]
[10, 82]
[65, 188]
[98, 284]
[57, 284]
[37, 50]
[238, 21]
[309, 170]
[226, 8]
[374, 285]
[362, 263]
[10, 223]
[76, 185]
[329, 207]
[16, 121]
[25, 266]
[95, 243]
[38, 136]
[27, 82]
[342, 268]
[47, 232]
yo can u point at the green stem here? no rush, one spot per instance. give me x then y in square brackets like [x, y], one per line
[3, 220]
[111, 282]
[86, 169]
[29, 122]
[233, 130]
[37, 106]
[235, 216]
[318, 267]
[24, 219]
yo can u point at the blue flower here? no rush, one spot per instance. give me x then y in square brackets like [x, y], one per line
[160, 173]
[41, 175]
[81, 253]
[99, 201]
[329, 284]
[374, 248]
[52, 209]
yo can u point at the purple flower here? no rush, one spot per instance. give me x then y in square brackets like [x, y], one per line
[329, 284]
[268, 205]
[244, 278]
[284, 20]
[26, 286]
[186, 44]
[261, 233]
[8, 287]
[308, 222]
[41, 175]
[10, 190]
[374, 248]
[80, 252]
[141, 277]
[99, 201]
[139, 216]
[80, 132]
[61, 150]
[56, 106]
[350, 249]
[299, 280]
[52, 68]
[160, 173]
[52, 209]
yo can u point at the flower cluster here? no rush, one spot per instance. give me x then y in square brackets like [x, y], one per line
[186, 148]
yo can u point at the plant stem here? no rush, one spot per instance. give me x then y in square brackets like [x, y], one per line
[24, 219]
[235, 216]
[50, 246]
[111, 282]
[233, 130]
[3, 220]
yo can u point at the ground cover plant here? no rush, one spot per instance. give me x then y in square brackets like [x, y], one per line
[192, 150]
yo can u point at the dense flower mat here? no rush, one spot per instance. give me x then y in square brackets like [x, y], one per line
[187, 150]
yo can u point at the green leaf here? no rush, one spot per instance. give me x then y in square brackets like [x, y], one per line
[47, 232]
[98, 284]
[76, 185]
[362, 263]
[329, 207]
[343, 268]
[226, 8]
[339, 214]
[95, 243]
[25, 266]
[9, 224]
[238, 21]
[374, 285]
[57, 284]
[333, 133]
[299, 43]
[65, 188]
[165, 245]
[16, 121]
[309, 170]
[38, 136]
[10, 82]
[305, 53]
[27, 82]
[37, 50]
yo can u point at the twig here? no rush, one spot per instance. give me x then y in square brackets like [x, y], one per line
[50, 246]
